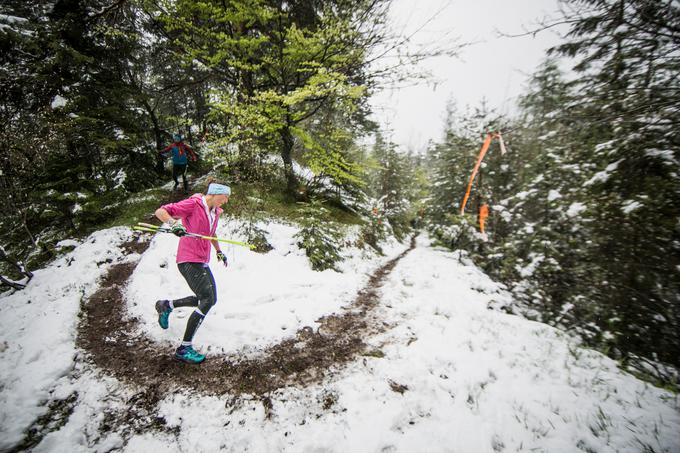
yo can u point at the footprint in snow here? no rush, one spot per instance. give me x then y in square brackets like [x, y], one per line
[265, 300]
[239, 316]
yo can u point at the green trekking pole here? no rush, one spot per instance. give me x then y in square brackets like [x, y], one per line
[149, 228]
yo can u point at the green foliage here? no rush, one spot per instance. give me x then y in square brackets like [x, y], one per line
[257, 237]
[458, 233]
[138, 208]
[262, 201]
[277, 69]
[397, 186]
[375, 228]
[325, 156]
[319, 237]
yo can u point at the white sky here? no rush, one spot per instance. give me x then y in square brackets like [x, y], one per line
[493, 68]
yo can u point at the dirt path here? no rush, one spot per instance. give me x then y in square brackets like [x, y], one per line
[112, 343]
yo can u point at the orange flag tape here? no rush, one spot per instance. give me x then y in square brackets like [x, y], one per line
[485, 147]
[483, 214]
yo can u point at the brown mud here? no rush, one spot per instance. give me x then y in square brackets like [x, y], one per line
[112, 342]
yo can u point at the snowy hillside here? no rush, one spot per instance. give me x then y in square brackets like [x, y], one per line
[439, 372]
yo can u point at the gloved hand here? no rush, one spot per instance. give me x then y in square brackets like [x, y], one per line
[222, 257]
[178, 230]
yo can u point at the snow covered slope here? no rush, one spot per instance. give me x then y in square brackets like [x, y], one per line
[448, 375]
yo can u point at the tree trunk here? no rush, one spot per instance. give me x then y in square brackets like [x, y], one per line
[286, 155]
[25, 224]
[159, 142]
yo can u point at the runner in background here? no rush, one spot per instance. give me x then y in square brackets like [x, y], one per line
[181, 153]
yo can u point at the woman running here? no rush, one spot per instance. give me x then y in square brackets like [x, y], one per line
[199, 214]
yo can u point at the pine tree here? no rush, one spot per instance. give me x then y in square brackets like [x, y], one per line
[75, 145]
[629, 83]
[393, 185]
[544, 215]
[450, 164]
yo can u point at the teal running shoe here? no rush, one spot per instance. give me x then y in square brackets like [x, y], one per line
[187, 354]
[164, 310]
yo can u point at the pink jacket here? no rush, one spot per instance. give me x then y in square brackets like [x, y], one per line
[194, 215]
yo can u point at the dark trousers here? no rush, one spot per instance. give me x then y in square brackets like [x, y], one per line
[202, 283]
[177, 170]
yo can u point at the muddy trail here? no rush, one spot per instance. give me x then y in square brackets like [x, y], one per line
[112, 342]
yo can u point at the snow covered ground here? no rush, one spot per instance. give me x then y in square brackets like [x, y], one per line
[38, 328]
[262, 298]
[449, 375]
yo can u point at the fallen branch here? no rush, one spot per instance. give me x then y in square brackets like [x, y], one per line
[21, 269]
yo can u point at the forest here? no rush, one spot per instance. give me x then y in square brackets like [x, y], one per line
[583, 209]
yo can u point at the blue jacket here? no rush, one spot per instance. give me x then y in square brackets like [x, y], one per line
[180, 153]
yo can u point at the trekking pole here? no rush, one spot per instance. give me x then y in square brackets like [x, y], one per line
[149, 228]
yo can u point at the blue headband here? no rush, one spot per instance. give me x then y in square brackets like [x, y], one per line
[218, 189]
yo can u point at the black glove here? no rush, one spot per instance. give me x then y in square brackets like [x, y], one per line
[222, 257]
[178, 230]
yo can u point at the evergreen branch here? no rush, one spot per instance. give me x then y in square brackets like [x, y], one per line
[105, 11]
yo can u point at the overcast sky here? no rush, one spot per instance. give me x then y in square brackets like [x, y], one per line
[492, 68]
